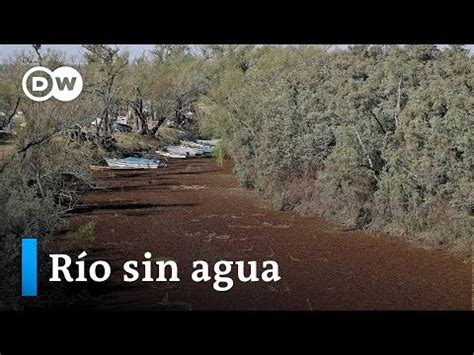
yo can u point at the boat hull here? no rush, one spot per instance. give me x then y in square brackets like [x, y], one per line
[129, 165]
[170, 155]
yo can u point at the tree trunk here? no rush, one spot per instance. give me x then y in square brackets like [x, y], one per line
[364, 149]
[399, 98]
[8, 122]
[106, 125]
[142, 120]
[157, 126]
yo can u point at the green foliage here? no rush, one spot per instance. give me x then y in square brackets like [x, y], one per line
[40, 178]
[375, 137]
[82, 237]
[23, 213]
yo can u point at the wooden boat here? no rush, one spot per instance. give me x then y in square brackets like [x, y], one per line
[98, 167]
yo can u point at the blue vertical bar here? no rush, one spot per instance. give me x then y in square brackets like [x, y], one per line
[29, 267]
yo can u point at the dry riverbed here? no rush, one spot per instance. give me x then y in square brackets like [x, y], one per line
[195, 210]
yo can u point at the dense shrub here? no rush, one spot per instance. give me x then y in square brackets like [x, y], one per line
[374, 136]
[40, 179]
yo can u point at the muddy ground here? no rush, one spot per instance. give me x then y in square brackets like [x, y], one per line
[195, 209]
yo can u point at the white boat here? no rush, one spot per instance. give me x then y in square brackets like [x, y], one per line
[132, 163]
[182, 150]
[211, 142]
[204, 149]
[170, 155]
[192, 144]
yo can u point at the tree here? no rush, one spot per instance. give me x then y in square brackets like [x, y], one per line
[10, 93]
[104, 69]
[179, 82]
[42, 178]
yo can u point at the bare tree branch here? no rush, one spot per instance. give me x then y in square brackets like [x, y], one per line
[376, 119]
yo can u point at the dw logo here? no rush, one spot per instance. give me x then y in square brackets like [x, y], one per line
[64, 84]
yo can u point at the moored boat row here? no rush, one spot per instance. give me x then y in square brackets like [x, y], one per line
[189, 149]
[185, 149]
